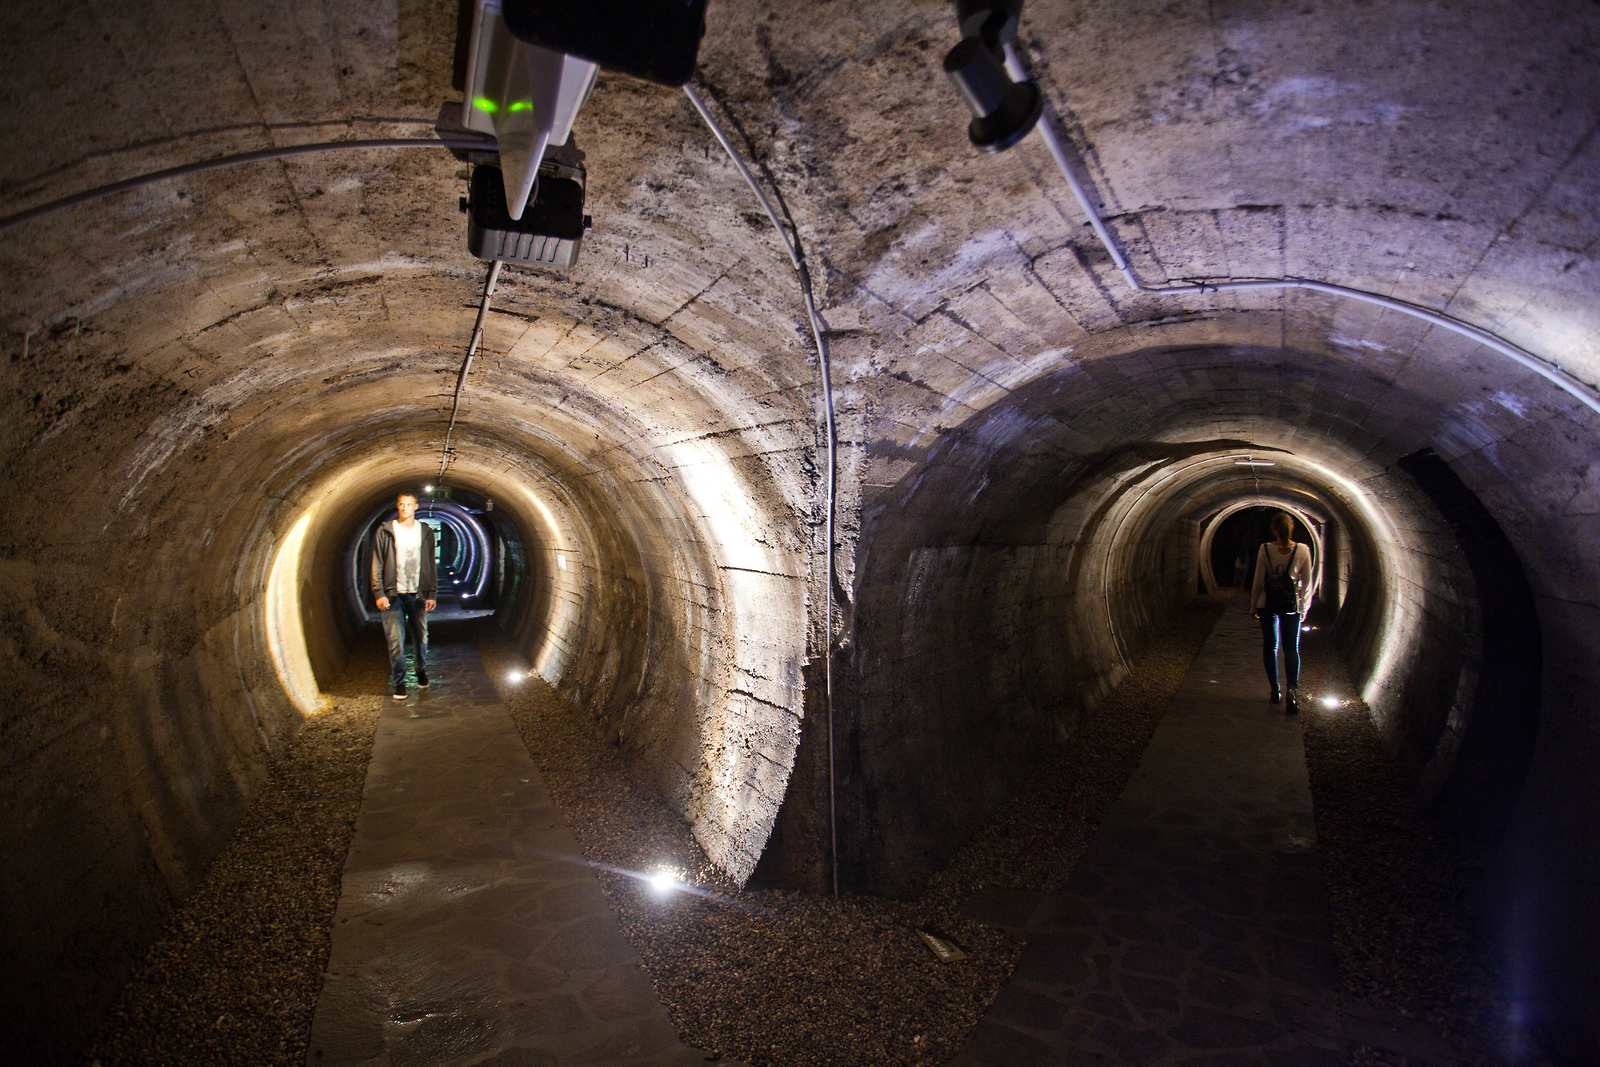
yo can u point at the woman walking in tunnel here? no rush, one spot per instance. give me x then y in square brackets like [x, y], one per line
[1280, 597]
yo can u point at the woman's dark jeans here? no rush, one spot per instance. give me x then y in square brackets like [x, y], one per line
[1291, 648]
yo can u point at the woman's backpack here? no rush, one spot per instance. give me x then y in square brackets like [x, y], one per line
[1281, 598]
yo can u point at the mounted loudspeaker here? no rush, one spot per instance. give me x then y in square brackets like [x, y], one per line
[1003, 111]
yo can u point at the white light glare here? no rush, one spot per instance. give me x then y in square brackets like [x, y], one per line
[514, 677]
[1330, 702]
[663, 883]
[427, 489]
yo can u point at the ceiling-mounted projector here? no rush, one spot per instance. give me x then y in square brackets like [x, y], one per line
[526, 96]
[529, 66]
[550, 230]
[657, 40]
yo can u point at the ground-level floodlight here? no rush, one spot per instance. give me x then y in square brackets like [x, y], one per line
[1003, 111]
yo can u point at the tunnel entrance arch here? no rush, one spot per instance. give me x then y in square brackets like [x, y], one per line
[1315, 529]
[470, 553]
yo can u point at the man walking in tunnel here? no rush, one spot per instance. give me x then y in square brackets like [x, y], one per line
[404, 583]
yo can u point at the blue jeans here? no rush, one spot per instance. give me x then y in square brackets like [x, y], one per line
[405, 615]
[1291, 648]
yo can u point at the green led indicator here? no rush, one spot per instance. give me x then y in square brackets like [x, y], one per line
[522, 105]
[483, 103]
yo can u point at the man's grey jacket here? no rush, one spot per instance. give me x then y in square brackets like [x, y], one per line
[386, 567]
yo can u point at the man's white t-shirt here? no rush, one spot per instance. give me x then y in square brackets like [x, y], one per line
[408, 556]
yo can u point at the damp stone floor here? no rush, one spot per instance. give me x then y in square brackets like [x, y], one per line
[1195, 928]
[469, 931]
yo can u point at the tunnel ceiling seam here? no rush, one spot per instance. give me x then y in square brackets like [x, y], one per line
[1548, 369]
[220, 162]
[244, 127]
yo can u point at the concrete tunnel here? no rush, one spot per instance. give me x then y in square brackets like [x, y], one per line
[214, 381]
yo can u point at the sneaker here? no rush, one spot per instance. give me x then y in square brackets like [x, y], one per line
[399, 690]
[422, 678]
[1292, 705]
[1276, 696]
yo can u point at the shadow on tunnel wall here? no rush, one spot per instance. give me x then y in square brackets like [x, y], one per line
[1476, 775]
[1027, 558]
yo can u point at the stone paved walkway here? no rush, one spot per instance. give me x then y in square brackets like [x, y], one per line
[1195, 928]
[466, 933]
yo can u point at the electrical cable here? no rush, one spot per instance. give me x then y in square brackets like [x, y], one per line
[138, 180]
[466, 364]
[797, 257]
[1546, 369]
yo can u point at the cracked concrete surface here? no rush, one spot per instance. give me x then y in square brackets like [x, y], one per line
[194, 366]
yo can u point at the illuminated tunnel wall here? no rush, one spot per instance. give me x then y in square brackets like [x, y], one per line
[211, 383]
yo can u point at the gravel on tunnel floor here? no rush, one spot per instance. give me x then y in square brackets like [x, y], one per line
[790, 981]
[796, 981]
[235, 976]
[784, 979]
[1400, 937]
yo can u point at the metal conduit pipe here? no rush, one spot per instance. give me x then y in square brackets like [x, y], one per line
[1546, 369]
[466, 364]
[220, 162]
[824, 371]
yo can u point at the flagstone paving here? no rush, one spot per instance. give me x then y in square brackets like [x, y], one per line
[1195, 929]
[469, 931]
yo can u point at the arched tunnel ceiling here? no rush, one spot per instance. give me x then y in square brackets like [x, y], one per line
[1438, 167]
[1450, 165]
[189, 363]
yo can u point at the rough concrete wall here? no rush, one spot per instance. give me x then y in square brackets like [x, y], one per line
[145, 708]
[1441, 155]
[1008, 578]
[961, 681]
[1432, 611]
[1540, 485]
